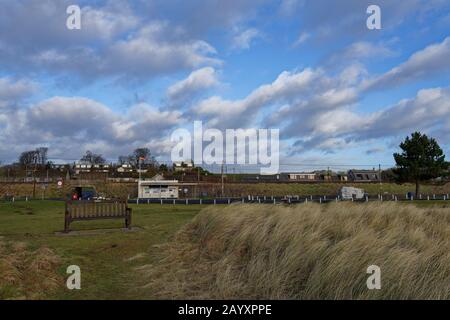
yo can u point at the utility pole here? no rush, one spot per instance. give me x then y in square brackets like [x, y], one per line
[379, 173]
[221, 169]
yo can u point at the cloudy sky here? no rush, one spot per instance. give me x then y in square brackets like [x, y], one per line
[137, 70]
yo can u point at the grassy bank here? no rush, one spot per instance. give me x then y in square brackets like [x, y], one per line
[122, 190]
[308, 252]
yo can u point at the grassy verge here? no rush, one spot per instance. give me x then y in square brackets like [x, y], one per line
[107, 260]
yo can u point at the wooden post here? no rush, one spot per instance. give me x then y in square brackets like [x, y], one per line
[66, 218]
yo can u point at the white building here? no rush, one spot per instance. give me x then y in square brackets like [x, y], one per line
[158, 189]
[302, 176]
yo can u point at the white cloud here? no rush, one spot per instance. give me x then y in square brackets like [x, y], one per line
[198, 80]
[302, 38]
[15, 90]
[421, 65]
[244, 39]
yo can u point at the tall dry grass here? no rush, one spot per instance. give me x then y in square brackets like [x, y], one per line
[26, 273]
[308, 252]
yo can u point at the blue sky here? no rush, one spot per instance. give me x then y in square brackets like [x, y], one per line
[340, 94]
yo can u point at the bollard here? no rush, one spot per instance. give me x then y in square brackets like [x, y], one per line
[306, 200]
[137, 201]
[324, 198]
[173, 201]
[148, 201]
[259, 201]
[367, 199]
[420, 196]
[381, 198]
[229, 201]
[187, 201]
[243, 201]
[161, 202]
[320, 200]
[214, 201]
[274, 201]
[434, 197]
[13, 199]
[428, 198]
[201, 201]
[26, 199]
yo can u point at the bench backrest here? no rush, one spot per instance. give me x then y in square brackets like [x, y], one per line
[91, 209]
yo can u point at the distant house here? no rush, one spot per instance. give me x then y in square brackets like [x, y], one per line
[363, 175]
[100, 168]
[301, 176]
[125, 168]
[82, 168]
[183, 166]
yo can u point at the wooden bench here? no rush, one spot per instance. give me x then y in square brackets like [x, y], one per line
[92, 210]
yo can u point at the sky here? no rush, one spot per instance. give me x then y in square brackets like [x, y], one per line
[340, 94]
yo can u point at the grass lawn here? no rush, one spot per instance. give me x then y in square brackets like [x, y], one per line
[107, 260]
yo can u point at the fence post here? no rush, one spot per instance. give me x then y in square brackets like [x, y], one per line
[306, 200]
[320, 199]
[161, 201]
[367, 198]
[214, 201]
[229, 201]
[274, 201]
[187, 201]
[201, 201]
[428, 197]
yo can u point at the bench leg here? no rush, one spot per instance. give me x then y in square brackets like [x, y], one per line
[66, 225]
[128, 220]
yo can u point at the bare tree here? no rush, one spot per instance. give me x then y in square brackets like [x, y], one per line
[93, 158]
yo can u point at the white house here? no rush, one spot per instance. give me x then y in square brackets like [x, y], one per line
[157, 188]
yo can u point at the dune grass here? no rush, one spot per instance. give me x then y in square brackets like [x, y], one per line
[307, 252]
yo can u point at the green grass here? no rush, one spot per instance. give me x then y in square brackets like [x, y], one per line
[107, 272]
[108, 261]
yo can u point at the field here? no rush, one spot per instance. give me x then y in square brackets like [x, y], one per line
[124, 190]
[107, 259]
[237, 251]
